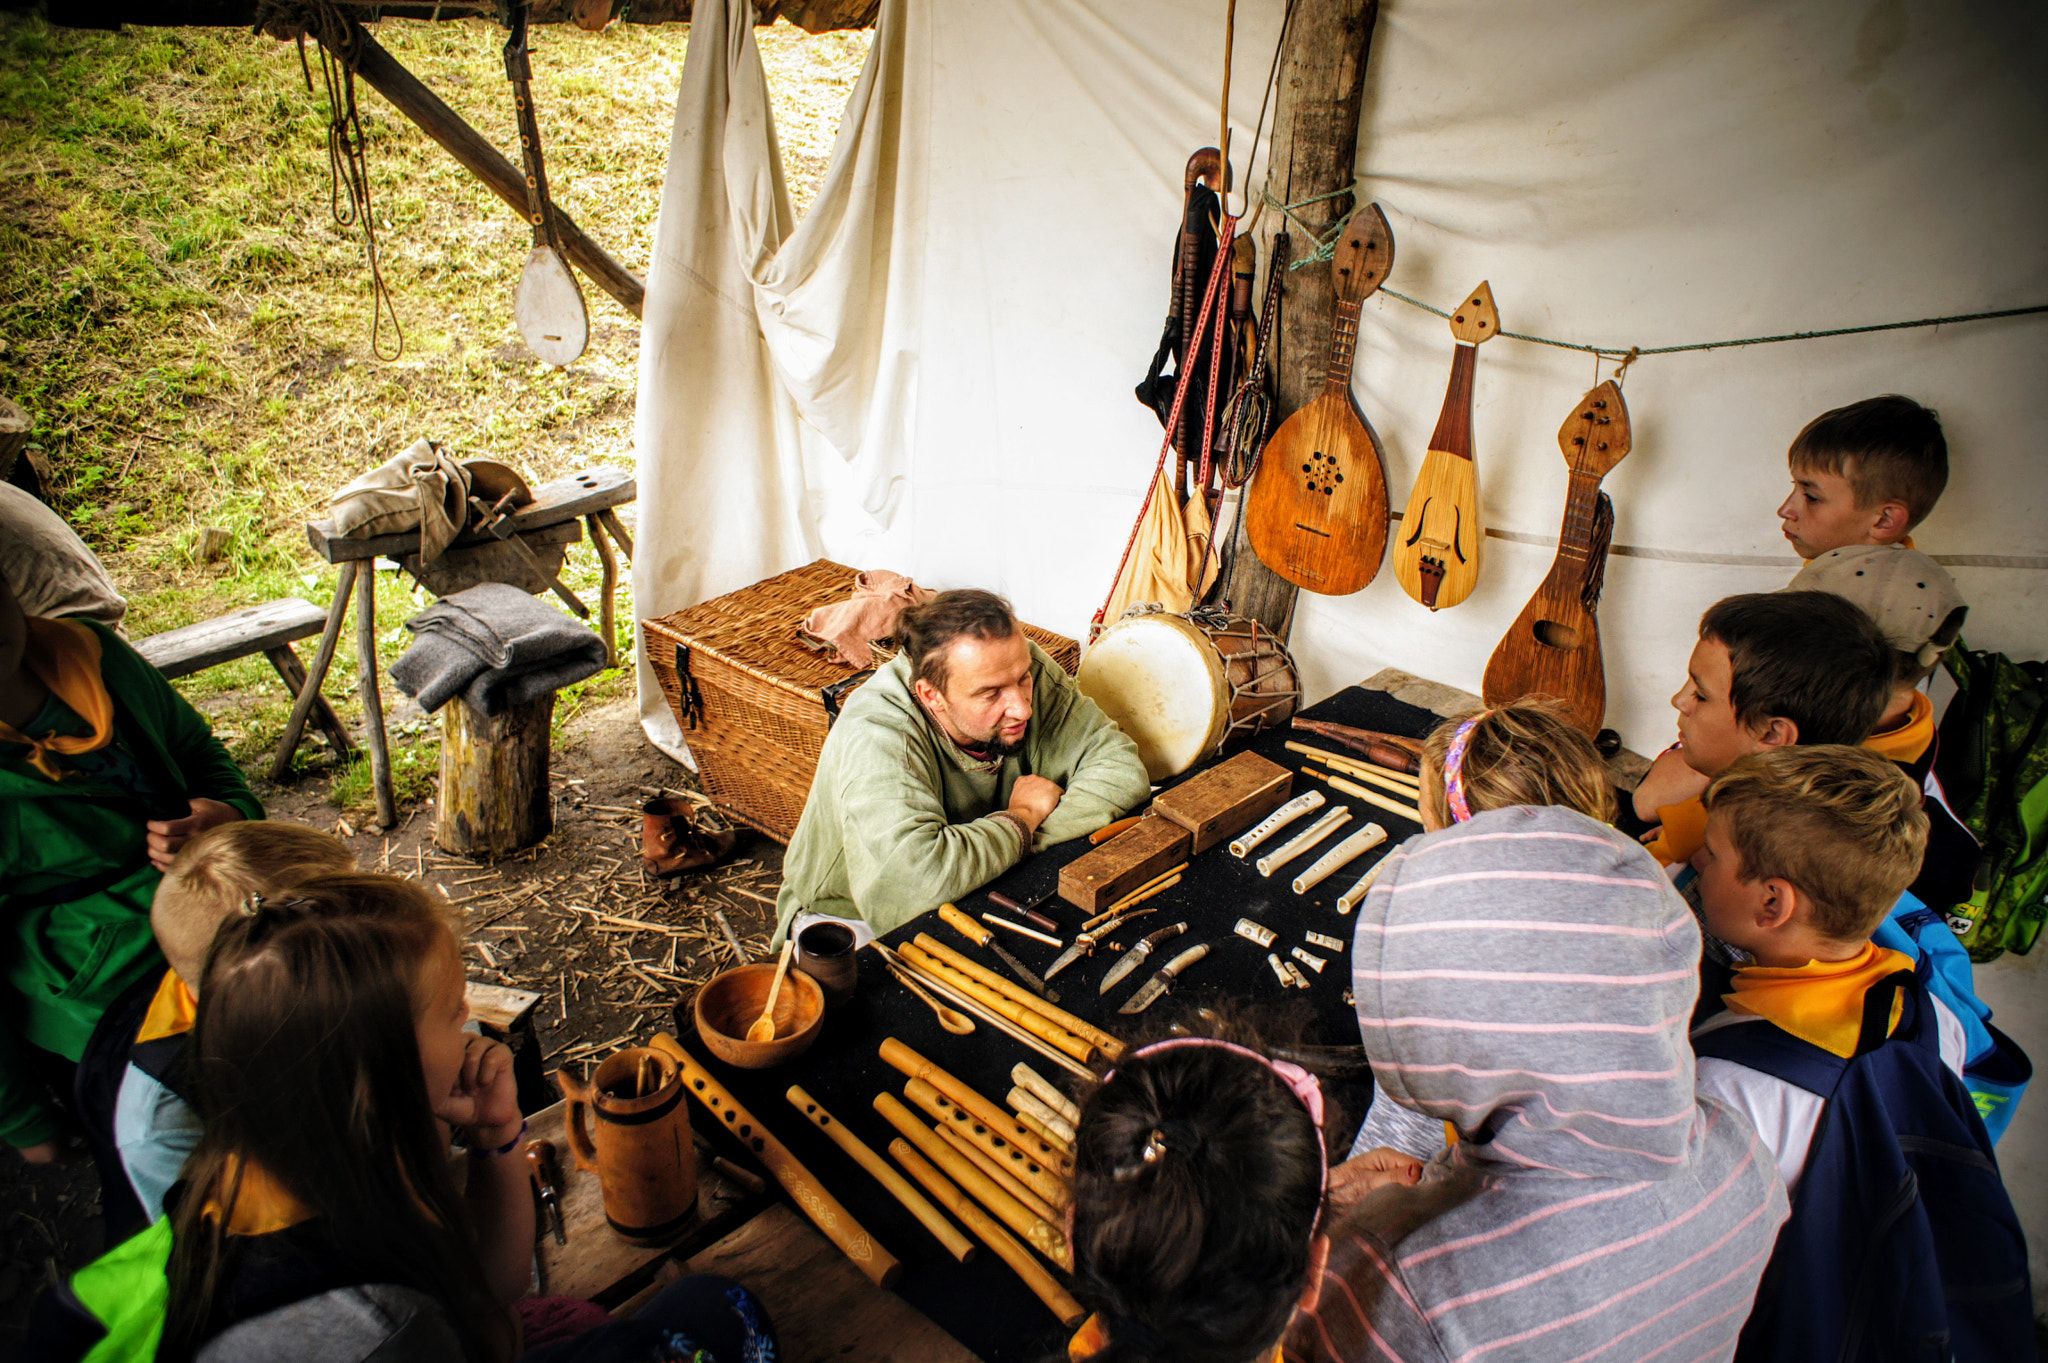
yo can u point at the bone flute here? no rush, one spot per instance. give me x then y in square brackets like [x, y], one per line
[1277, 820]
[1021, 1073]
[1024, 1100]
[1340, 856]
[1354, 896]
[1317, 831]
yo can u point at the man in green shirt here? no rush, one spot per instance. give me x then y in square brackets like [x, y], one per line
[963, 754]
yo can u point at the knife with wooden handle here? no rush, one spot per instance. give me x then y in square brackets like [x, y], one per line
[1137, 955]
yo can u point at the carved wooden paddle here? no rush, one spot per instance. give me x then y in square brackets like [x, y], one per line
[1554, 647]
[1317, 508]
[1437, 554]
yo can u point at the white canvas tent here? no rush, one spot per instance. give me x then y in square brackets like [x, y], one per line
[933, 374]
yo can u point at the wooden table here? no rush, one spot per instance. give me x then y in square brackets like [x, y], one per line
[591, 494]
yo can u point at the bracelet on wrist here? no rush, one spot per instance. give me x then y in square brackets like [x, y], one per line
[507, 1148]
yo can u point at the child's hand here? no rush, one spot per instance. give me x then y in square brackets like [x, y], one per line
[485, 1099]
[166, 836]
[1384, 1167]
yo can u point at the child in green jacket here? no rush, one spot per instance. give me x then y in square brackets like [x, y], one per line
[105, 772]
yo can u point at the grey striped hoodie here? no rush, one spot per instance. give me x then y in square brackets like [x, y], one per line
[1528, 977]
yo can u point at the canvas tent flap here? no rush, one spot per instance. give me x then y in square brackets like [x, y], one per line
[1622, 175]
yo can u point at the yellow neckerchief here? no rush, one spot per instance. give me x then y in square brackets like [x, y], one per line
[171, 1012]
[1822, 1001]
[1909, 739]
[1093, 1337]
[262, 1204]
[65, 656]
[1684, 831]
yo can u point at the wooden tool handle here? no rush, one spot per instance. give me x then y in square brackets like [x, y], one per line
[985, 1190]
[962, 924]
[947, 1234]
[1110, 830]
[839, 1227]
[1042, 1284]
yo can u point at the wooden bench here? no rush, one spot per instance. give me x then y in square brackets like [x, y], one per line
[269, 629]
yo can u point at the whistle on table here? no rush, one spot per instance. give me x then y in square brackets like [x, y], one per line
[547, 1180]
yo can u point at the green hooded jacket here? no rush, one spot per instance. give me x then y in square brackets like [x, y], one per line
[64, 960]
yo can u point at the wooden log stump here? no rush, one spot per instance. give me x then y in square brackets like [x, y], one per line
[494, 778]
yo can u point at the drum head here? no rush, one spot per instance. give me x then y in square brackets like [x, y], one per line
[1162, 681]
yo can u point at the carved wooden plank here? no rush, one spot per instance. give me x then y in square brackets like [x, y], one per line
[565, 499]
[254, 629]
[496, 1006]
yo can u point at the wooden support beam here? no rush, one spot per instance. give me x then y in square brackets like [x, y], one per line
[410, 96]
[1314, 151]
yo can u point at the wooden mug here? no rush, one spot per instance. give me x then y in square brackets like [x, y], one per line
[640, 1148]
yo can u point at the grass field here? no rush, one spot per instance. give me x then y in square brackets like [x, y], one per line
[190, 327]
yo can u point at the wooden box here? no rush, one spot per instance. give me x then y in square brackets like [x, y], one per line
[1093, 882]
[755, 704]
[1226, 799]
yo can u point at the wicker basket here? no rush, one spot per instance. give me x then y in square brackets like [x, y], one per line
[754, 703]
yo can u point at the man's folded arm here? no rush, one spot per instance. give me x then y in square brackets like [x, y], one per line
[903, 857]
[1095, 761]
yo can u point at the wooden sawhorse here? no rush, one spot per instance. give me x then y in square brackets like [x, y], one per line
[590, 494]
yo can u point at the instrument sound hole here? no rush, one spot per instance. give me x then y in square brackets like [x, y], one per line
[1551, 634]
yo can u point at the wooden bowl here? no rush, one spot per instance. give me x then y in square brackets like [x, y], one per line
[728, 1004]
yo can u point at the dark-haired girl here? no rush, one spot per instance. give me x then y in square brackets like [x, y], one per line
[319, 1217]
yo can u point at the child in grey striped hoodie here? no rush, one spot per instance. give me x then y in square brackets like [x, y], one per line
[1527, 976]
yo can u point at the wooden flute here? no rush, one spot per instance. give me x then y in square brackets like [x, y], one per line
[1040, 1234]
[840, 1228]
[1102, 1040]
[914, 1066]
[1044, 1182]
[1042, 1284]
[947, 1234]
[981, 1160]
[1031, 1021]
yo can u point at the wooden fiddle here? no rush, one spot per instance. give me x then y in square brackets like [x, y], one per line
[1553, 648]
[1317, 508]
[1437, 556]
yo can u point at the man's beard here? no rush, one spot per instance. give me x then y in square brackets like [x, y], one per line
[996, 750]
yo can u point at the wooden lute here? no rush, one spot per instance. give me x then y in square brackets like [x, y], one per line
[1317, 508]
[1436, 556]
[1554, 647]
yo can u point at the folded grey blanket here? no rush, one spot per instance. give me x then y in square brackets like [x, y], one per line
[496, 647]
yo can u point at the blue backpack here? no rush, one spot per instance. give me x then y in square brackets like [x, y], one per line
[1995, 1069]
[1903, 1244]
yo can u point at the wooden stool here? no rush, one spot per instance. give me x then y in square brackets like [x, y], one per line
[269, 629]
[590, 494]
[507, 1015]
[494, 778]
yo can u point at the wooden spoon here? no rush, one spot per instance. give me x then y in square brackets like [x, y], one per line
[764, 1025]
[953, 1020]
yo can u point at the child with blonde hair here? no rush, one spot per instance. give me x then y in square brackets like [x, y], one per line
[131, 1083]
[1851, 1070]
[1526, 752]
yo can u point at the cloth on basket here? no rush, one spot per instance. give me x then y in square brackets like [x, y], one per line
[872, 612]
[496, 647]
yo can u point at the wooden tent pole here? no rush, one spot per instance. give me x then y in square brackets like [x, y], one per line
[1314, 150]
[410, 96]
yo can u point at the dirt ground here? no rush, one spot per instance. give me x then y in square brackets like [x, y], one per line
[610, 949]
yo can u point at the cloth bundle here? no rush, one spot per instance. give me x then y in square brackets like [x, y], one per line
[496, 647]
[874, 611]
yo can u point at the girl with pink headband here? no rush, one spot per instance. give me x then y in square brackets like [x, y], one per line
[1523, 753]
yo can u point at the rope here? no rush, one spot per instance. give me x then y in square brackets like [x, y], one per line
[1628, 355]
[2020, 561]
[348, 167]
[1325, 242]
